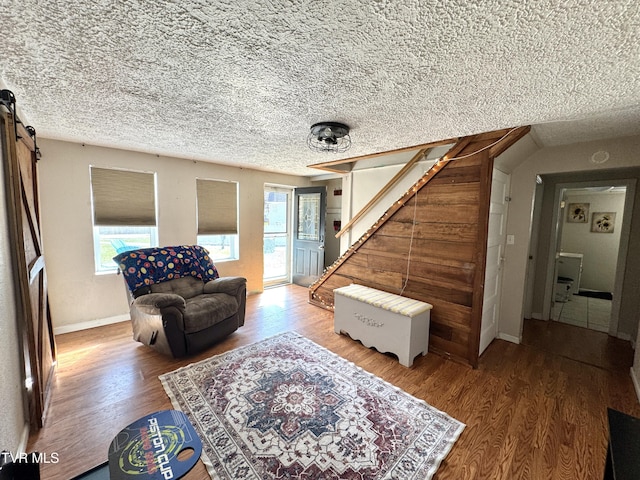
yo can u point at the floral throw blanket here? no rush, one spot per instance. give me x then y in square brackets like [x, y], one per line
[147, 266]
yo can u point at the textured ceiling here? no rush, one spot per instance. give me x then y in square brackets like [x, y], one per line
[241, 81]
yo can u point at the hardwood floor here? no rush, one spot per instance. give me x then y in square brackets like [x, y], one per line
[578, 343]
[530, 413]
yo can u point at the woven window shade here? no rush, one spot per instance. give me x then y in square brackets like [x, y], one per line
[121, 197]
[217, 207]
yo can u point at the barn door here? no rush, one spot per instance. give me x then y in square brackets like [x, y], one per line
[21, 187]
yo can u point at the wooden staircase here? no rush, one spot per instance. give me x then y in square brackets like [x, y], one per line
[430, 245]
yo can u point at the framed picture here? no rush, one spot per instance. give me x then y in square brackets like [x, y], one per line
[603, 222]
[578, 213]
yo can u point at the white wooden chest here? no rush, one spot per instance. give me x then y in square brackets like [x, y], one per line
[388, 322]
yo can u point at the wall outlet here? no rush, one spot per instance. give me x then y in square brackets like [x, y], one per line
[511, 239]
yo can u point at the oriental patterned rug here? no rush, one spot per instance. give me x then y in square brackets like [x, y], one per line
[287, 408]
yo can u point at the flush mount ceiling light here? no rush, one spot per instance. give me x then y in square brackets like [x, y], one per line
[329, 137]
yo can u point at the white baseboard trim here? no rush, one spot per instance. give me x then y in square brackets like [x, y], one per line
[508, 338]
[537, 316]
[74, 327]
[636, 383]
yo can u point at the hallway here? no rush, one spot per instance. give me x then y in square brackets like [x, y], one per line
[587, 312]
[577, 343]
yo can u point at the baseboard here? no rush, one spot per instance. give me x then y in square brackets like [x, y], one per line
[74, 327]
[636, 383]
[536, 316]
[509, 338]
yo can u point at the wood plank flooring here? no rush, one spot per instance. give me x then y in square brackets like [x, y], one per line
[578, 343]
[530, 413]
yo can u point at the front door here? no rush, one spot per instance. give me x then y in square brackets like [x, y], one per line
[308, 234]
[495, 257]
[30, 277]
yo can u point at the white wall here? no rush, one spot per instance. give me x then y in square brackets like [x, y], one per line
[77, 294]
[360, 186]
[623, 152]
[13, 423]
[600, 250]
[334, 212]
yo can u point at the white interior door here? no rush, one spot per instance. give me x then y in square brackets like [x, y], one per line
[495, 256]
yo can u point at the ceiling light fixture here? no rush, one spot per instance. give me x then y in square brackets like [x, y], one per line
[329, 137]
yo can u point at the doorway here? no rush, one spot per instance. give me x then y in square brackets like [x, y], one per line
[548, 222]
[549, 229]
[277, 235]
[586, 255]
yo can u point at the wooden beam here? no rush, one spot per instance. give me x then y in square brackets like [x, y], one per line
[418, 156]
[508, 140]
[332, 166]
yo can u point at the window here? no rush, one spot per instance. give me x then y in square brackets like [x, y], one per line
[124, 214]
[276, 242]
[218, 218]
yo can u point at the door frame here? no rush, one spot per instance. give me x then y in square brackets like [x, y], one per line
[556, 227]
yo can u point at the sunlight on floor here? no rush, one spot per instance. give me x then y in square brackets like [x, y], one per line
[275, 296]
[587, 312]
[77, 355]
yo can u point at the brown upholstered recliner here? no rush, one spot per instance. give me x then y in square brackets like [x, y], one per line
[183, 309]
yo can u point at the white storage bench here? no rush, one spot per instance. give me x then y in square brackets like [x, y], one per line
[383, 320]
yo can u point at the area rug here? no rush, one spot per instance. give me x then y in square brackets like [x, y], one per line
[287, 408]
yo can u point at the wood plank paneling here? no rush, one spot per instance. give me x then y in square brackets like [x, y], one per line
[432, 290]
[457, 174]
[440, 213]
[431, 245]
[390, 279]
[459, 253]
[464, 193]
[446, 232]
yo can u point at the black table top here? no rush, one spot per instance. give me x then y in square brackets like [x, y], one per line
[624, 445]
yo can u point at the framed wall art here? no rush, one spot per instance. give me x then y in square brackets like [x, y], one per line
[603, 222]
[578, 213]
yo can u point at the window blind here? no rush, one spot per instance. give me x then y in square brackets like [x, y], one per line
[217, 207]
[122, 197]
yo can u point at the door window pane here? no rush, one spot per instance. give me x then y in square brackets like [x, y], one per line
[309, 217]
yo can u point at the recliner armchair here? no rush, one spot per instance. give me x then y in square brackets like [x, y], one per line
[178, 303]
